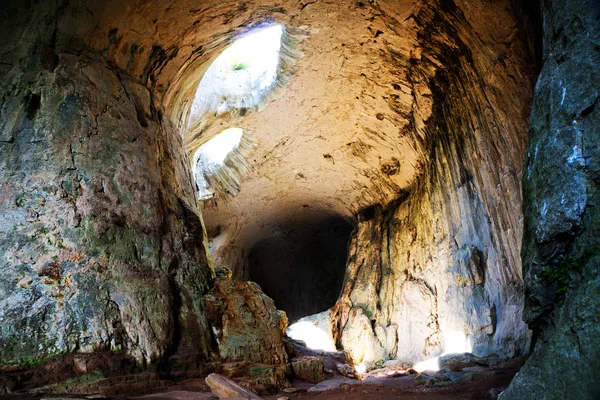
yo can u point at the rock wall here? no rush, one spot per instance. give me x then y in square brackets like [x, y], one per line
[444, 258]
[102, 244]
[561, 244]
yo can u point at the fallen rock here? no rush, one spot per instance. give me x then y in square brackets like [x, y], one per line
[346, 370]
[308, 368]
[332, 384]
[248, 326]
[225, 388]
[297, 348]
[259, 378]
[390, 369]
[457, 362]
[430, 379]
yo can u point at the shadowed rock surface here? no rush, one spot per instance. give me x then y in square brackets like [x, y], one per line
[561, 244]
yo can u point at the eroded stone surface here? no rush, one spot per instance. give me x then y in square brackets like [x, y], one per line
[247, 324]
[444, 258]
[102, 247]
[308, 368]
[561, 238]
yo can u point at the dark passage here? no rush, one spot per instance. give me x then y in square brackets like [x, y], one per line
[302, 265]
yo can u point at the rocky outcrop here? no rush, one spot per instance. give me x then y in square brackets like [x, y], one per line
[561, 244]
[444, 257]
[458, 362]
[102, 246]
[248, 327]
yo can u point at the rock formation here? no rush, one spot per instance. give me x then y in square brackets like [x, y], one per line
[561, 252]
[248, 326]
[103, 246]
[445, 256]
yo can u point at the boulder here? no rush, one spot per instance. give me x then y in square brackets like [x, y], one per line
[458, 361]
[308, 368]
[331, 360]
[260, 378]
[247, 324]
[225, 388]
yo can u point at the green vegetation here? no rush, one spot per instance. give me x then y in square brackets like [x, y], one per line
[561, 274]
[238, 66]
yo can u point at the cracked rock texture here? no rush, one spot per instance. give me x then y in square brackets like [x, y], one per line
[102, 244]
[248, 326]
[444, 257]
[407, 117]
[414, 112]
[561, 244]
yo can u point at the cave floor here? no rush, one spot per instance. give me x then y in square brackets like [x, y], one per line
[403, 387]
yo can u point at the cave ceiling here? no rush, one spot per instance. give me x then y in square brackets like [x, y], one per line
[345, 132]
[340, 135]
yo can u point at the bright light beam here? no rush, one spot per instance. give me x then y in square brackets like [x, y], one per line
[454, 342]
[241, 75]
[314, 337]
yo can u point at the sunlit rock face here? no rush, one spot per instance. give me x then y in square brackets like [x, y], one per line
[409, 118]
[561, 244]
[445, 256]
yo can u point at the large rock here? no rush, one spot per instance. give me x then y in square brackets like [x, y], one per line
[458, 362]
[102, 245]
[308, 368]
[260, 378]
[225, 388]
[248, 326]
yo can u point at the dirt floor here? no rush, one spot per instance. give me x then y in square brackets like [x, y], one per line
[375, 388]
[480, 381]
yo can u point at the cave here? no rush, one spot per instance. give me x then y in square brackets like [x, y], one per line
[302, 267]
[278, 194]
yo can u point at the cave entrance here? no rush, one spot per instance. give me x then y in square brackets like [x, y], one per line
[209, 161]
[301, 265]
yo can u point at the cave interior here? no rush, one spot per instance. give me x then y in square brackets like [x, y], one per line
[320, 190]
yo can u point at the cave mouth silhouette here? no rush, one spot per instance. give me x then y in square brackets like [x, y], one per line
[301, 265]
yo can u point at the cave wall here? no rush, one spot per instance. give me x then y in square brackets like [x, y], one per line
[561, 242]
[445, 256]
[102, 244]
[96, 188]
